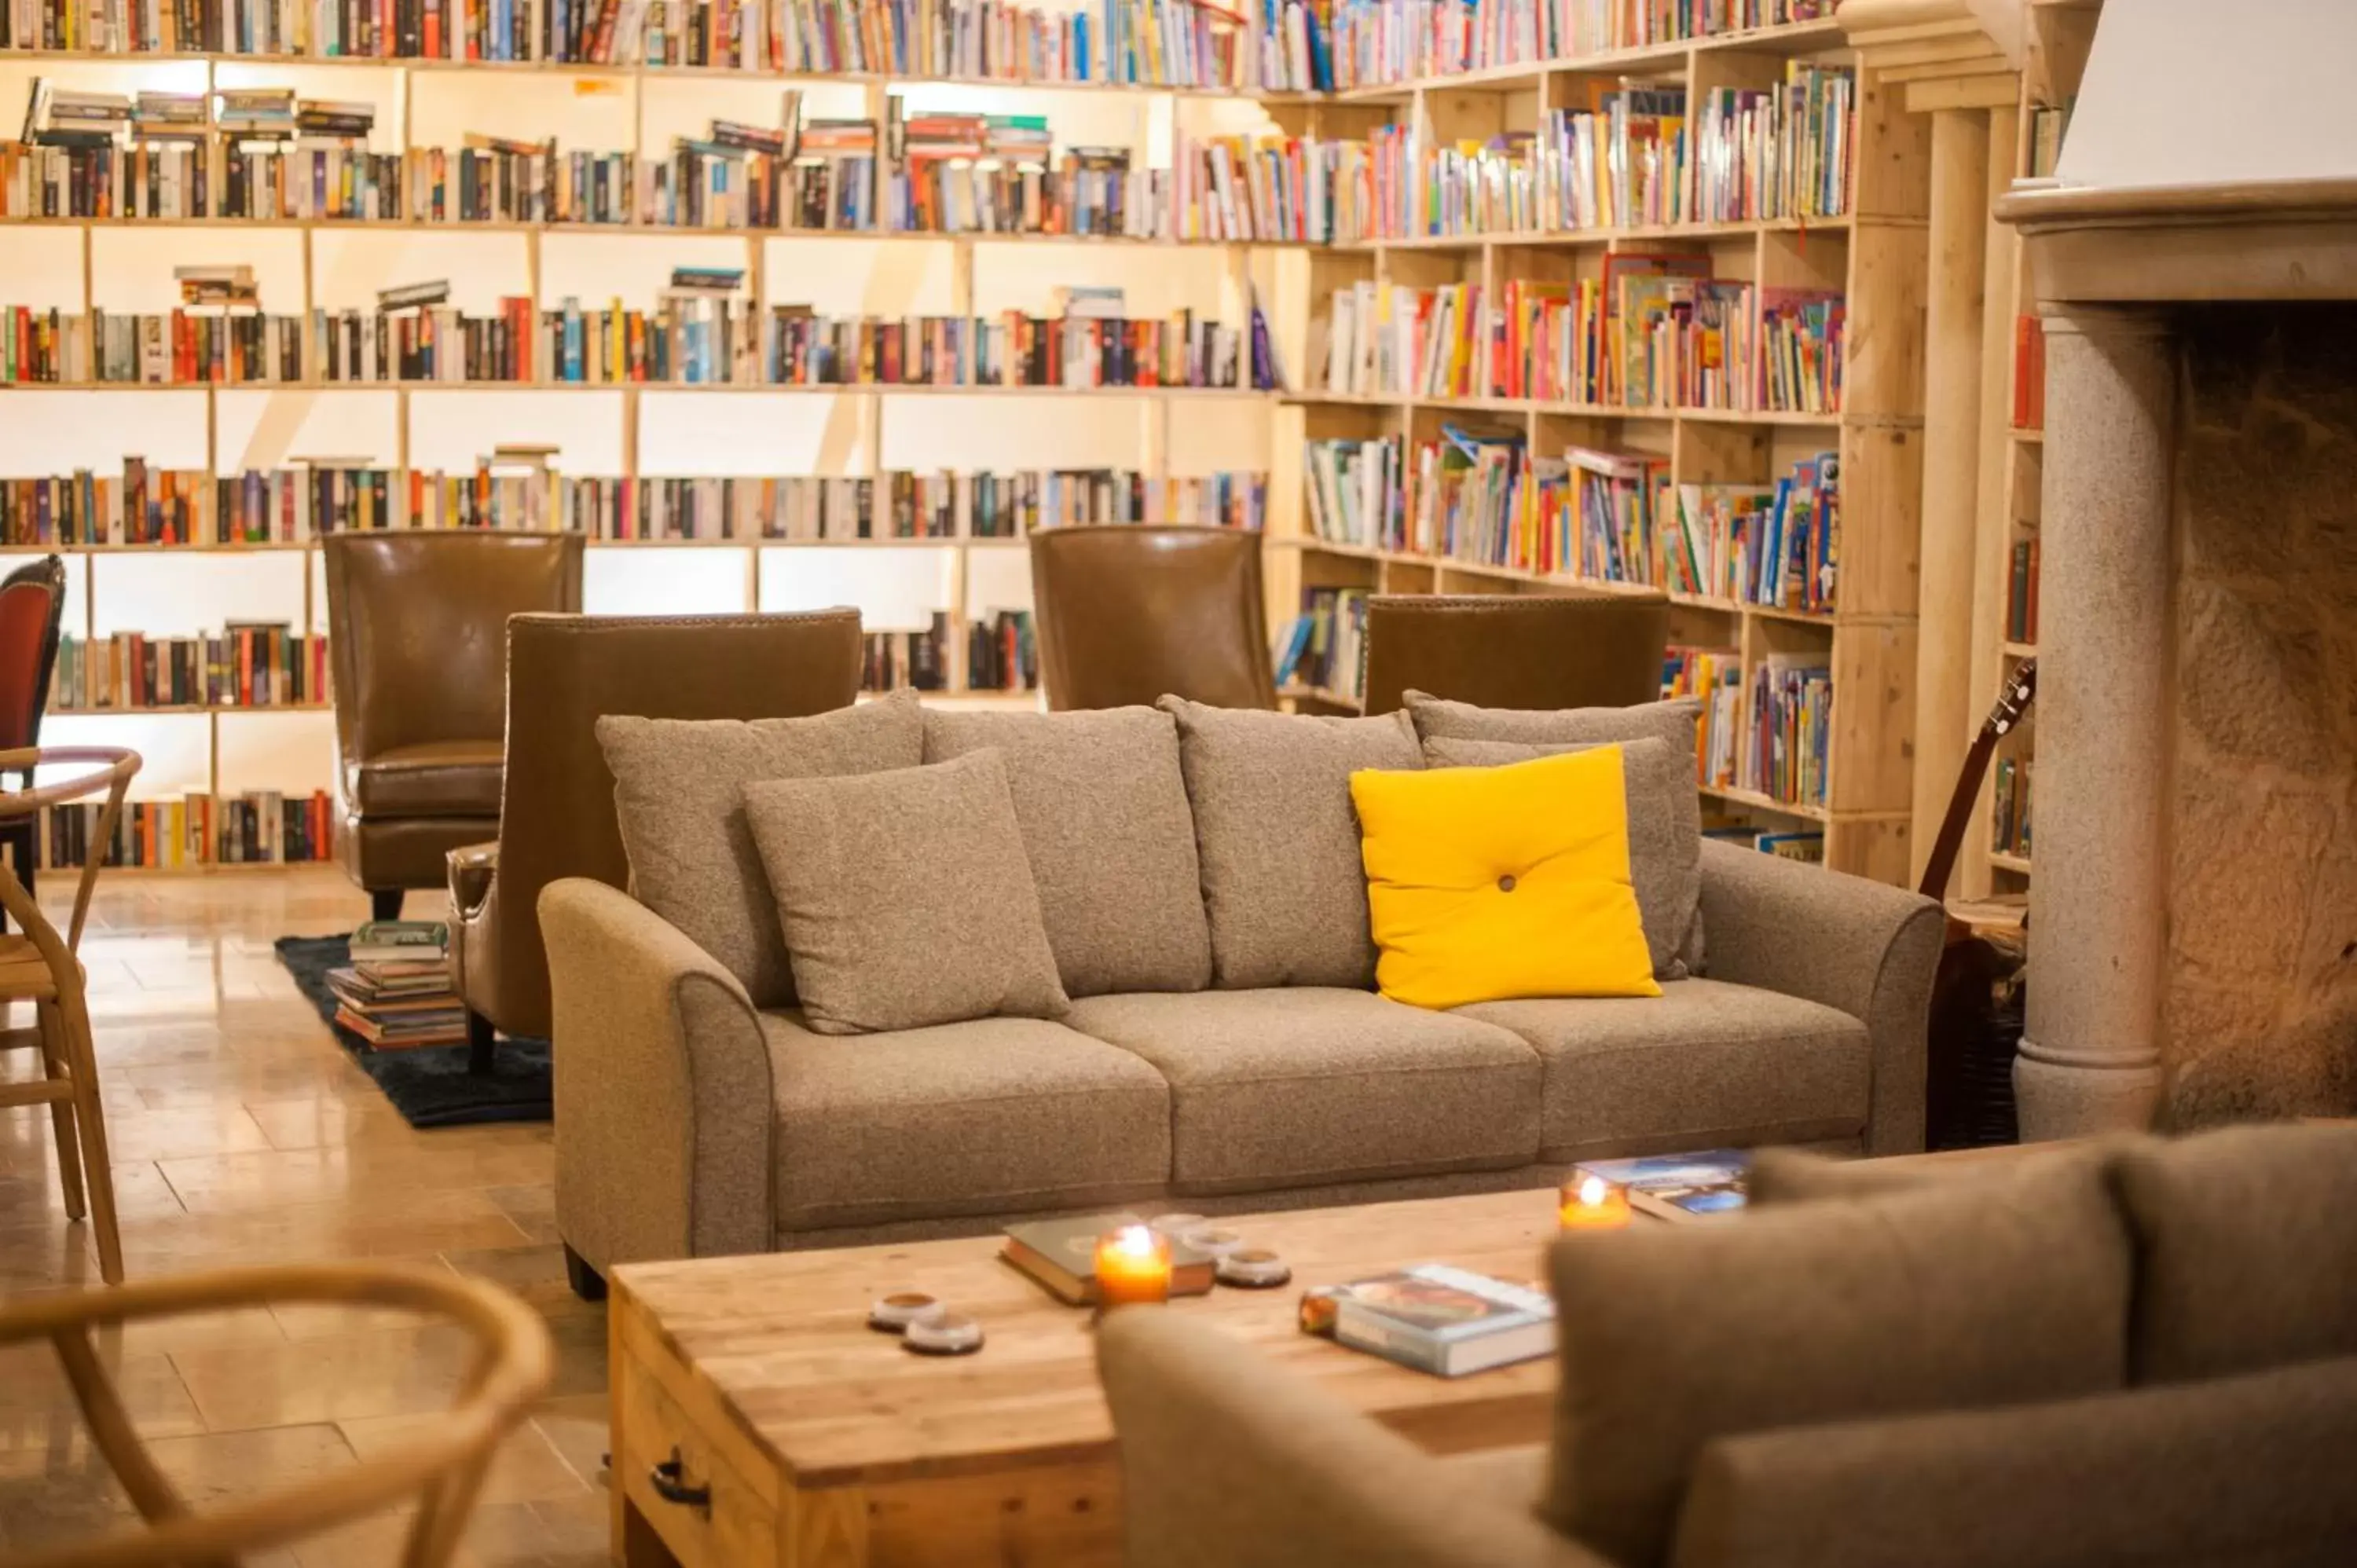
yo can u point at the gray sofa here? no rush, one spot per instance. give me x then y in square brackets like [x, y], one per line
[2138, 1354]
[692, 1120]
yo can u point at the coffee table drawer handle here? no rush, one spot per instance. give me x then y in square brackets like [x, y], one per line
[665, 1479]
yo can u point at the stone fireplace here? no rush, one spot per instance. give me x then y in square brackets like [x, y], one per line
[2193, 920]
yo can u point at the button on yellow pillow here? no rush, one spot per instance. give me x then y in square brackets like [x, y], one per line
[1487, 884]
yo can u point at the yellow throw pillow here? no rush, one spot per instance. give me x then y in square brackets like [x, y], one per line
[1487, 884]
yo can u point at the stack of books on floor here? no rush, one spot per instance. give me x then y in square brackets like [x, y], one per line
[397, 993]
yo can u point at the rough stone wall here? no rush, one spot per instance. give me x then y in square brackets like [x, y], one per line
[2261, 1015]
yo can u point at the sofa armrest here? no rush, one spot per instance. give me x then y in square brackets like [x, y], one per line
[665, 1106]
[1867, 949]
[471, 870]
[1228, 1457]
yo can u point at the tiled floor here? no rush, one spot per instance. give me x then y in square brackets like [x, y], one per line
[242, 1134]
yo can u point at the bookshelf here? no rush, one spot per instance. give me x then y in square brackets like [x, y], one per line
[1872, 252]
[1999, 856]
[626, 431]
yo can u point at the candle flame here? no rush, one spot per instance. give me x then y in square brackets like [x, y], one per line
[1591, 1192]
[1134, 1241]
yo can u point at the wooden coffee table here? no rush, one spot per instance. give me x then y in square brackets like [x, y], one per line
[804, 1437]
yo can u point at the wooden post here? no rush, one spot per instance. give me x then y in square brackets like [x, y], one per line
[1944, 693]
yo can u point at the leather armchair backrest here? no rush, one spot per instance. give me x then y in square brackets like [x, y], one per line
[417, 628]
[1552, 651]
[1127, 613]
[565, 671]
[32, 607]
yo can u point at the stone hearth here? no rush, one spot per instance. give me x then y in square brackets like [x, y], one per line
[2260, 1016]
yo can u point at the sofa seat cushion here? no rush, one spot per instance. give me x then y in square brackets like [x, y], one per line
[989, 1116]
[1706, 1062]
[436, 779]
[1305, 1084]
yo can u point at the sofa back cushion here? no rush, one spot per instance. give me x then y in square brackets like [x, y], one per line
[1103, 812]
[1671, 723]
[2246, 1472]
[1664, 852]
[679, 795]
[1283, 886]
[2247, 1244]
[1960, 1296]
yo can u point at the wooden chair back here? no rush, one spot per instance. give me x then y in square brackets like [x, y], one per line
[442, 1467]
[111, 769]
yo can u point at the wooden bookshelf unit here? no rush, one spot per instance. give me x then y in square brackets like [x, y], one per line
[1873, 252]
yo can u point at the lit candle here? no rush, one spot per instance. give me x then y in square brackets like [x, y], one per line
[1133, 1267]
[1591, 1203]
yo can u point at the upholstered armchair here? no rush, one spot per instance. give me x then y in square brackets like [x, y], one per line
[1517, 651]
[2140, 1353]
[556, 816]
[417, 632]
[1128, 614]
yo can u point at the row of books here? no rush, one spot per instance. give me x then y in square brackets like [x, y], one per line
[1156, 42]
[1605, 515]
[1325, 648]
[1652, 332]
[1791, 717]
[1775, 546]
[2021, 592]
[2029, 374]
[152, 505]
[1629, 158]
[1265, 188]
[1376, 42]
[246, 665]
[2009, 806]
[1765, 730]
[685, 341]
[1783, 842]
[260, 828]
[1714, 677]
[1002, 652]
[900, 504]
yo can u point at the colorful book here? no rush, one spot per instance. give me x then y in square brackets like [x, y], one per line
[1446, 1321]
[1705, 1185]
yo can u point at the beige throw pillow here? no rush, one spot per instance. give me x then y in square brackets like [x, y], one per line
[905, 897]
[679, 787]
[1664, 850]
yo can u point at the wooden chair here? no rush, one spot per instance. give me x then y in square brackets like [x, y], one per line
[443, 1467]
[40, 967]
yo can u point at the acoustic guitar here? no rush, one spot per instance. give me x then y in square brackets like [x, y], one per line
[1977, 998]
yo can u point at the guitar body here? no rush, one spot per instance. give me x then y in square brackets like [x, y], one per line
[1977, 995]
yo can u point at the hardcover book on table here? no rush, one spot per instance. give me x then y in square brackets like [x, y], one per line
[1705, 1185]
[1061, 1255]
[1446, 1321]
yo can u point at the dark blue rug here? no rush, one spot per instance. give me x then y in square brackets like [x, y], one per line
[429, 1085]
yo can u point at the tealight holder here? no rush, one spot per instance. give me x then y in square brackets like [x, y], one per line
[1251, 1268]
[1133, 1267]
[1591, 1203]
[893, 1314]
[943, 1333]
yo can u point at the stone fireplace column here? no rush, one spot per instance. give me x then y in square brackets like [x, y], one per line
[2089, 1058]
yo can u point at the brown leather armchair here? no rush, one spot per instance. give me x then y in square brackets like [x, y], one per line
[1551, 650]
[417, 630]
[556, 817]
[1127, 613]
